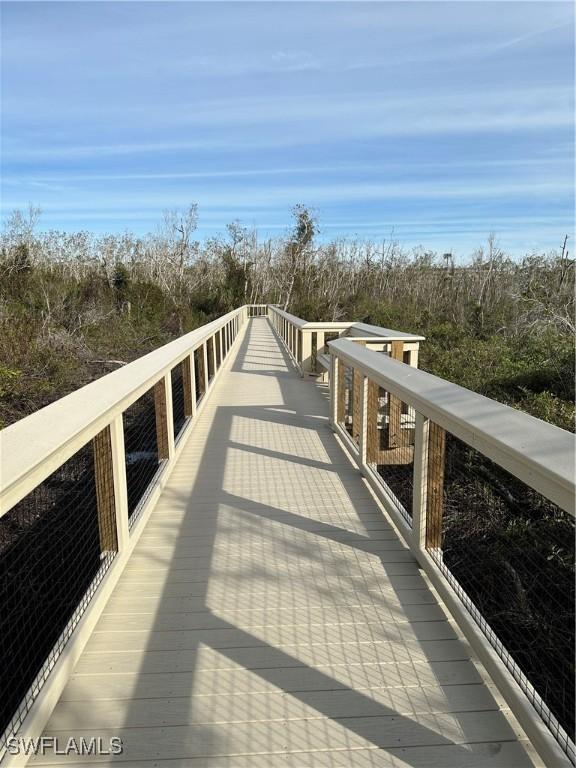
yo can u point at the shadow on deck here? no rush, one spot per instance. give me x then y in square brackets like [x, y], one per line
[270, 615]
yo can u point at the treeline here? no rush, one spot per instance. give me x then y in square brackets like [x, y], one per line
[74, 306]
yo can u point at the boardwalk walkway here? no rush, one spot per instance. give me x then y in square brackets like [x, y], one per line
[270, 616]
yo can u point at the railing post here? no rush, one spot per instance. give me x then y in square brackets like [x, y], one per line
[357, 385]
[306, 352]
[120, 486]
[419, 495]
[363, 426]
[394, 403]
[164, 424]
[341, 395]
[205, 365]
[435, 486]
[214, 358]
[334, 387]
[105, 498]
[357, 390]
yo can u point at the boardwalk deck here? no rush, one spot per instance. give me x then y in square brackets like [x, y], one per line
[270, 615]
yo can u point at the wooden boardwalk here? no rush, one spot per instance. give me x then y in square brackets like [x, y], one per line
[270, 615]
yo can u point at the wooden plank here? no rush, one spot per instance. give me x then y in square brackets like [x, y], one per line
[384, 732]
[104, 481]
[270, 706]
[161, 419]
[435, 486]
[288, 679]
[430, 633]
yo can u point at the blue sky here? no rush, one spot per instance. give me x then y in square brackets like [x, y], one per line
[437, 121]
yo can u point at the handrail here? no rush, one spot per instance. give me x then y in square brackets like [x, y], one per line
[538, 453]
[96, 459]
[298, 336]
[297, 321]
[37, 444]
[436, 455]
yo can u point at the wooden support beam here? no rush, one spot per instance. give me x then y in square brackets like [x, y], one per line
[340, 407]
[161, 420]
[435, 486]
[356, 399]
[393, 435]
[104, 481]
[372, 432]
[357, 382]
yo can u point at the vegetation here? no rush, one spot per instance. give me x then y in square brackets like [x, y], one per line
[74, 306]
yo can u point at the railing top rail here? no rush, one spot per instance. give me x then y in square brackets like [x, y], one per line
[38, 444]
[287, 316]
[540, 454]
[361, 330]
[367, 331]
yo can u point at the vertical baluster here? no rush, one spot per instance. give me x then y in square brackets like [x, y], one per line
[105, 499]
[372, 432]
[435, 486]
[419, 495]
[394, 437]
[164, 427]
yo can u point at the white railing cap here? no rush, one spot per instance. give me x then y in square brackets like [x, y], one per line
[364, 329]
[287, 316]
[538, 453]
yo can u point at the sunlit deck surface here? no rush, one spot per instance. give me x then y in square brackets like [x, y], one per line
[271, 616]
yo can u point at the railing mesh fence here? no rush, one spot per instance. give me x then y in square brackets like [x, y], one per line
[54, 550]
[141, 448]
[390, 431]
[346, 397]
[509, 552]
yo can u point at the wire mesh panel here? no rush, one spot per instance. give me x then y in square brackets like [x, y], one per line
[55, 547]
[390, 430]
[346, 397]
[141, 444]
[510, 554]
[179, 409]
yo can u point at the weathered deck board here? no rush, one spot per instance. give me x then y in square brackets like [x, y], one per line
[270, 616]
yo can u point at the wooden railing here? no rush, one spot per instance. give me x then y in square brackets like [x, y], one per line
[104, 452]
[435, 453]
[307, 342]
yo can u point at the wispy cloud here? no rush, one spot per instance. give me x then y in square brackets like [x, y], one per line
[372, 112]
